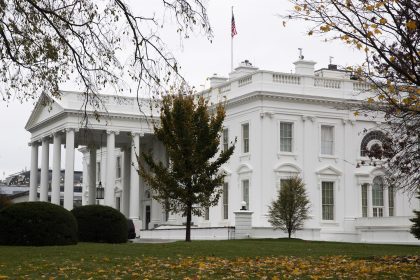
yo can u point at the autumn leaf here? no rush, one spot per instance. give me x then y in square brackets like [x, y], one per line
[411, 25]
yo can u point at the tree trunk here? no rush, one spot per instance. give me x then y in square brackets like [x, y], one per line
[188, 229]
[290, 233]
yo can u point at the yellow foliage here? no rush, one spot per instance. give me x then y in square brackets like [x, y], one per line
[325, 28]
[411, 25]
[383, 21]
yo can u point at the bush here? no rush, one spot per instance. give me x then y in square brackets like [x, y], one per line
[415, 228]
[38, 224]
[99, 223]
[4, 201]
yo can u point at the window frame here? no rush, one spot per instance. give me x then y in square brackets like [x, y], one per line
[243, 192]
[225, 145]
[225, 201]
[243, 138]
[292, 138]
[333, 198]
[333, 126]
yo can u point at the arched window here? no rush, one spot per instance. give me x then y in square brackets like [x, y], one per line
[375, 137]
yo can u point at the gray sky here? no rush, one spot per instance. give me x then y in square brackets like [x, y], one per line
[261, 38]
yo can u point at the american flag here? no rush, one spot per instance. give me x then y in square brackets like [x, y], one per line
[233, 31]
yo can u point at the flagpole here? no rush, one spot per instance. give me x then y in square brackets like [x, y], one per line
[231, 48]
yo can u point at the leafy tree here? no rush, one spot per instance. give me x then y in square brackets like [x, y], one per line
[388, 32]
[191, 136]
[45, 43]
[290, 210]
[415, 229]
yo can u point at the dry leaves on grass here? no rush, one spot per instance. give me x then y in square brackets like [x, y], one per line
[337, 267]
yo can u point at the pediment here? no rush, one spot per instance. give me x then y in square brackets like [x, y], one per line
[244, 168]
[45, 109]
[329, 170]
[225, 171]
[287, 167]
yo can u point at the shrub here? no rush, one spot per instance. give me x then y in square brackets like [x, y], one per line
[4, 201]
[415, 228]
[37, 223]
[98, 223]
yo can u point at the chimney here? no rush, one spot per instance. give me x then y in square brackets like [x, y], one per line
[244, 68]
[304, 67]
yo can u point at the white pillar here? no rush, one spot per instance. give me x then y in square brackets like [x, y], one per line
[43, 192]
[33, 183]
[156, 207]
[369, 198]
[386, 201]
[126, 182]
[135, 179]
[85, 176]
[56, 172]
[92, 177]
[69, 170]
[109, 196]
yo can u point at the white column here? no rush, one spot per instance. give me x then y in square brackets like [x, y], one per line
[369, 202]
[109, 197]
[135, 179]
[33, 183]
[386, 201]
[69, 170]
[43, 192]
[56, 172]
[156, 207]
[92, 177]
[85, 176]
[126, 182]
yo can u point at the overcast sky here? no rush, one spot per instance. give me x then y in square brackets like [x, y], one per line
[261, 38]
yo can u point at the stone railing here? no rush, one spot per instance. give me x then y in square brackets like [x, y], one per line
[245, 81]
[224, 88]
[327, 83]
[361, 86]
[286, 79]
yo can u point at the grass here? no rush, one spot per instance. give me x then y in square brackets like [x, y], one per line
[211, 258]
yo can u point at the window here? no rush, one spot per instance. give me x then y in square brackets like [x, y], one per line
[286, 137]
[207, 214]
[225, 139]
[327, 140]
[391, 201]
[328, 201]
[373, 137]
[245, 192]
[245, 138]
[225, 201]
[282, 182]
[378, 197]
[118, 167]
[364, 200]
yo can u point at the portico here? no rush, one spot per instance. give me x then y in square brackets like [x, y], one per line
[120, 130]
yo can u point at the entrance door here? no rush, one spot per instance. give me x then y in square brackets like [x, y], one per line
[147, 216]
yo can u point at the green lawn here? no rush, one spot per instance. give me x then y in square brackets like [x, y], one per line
[209, 259]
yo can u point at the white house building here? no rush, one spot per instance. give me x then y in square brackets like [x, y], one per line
[285, 124]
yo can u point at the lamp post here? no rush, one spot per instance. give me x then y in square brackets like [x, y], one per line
[100, 191]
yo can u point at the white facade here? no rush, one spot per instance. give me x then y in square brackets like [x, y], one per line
[285, 124]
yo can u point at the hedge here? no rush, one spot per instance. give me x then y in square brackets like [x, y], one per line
[98, 223]
[37, 224]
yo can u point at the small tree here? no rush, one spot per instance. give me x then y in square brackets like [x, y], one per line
[415, 229]
[291, 208]
[191, 136]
